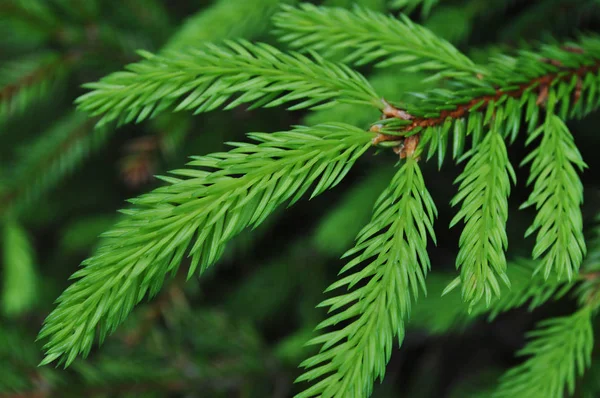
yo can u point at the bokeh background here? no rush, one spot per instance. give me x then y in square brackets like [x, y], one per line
[240, 330]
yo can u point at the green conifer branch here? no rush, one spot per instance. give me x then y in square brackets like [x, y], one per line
[517, 87]
[557, 196]
[196, 214]
[204, 79]
[484, 190]
[370, 37]
[558, 351]
[219, 195]
[373, 311]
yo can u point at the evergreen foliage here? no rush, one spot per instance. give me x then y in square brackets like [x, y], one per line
[197, 214]
[205, 79]
[395, 242]
[373, 38]
[557, 195]
[483, 191]
[230, 303]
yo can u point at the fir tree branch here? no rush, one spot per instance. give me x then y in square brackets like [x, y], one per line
[371, 37]
[393, 245]
[517, 85]
[197, 214]
[555, 66]
[557, 196]
[559, 351]
[204, 79]
[484, 190]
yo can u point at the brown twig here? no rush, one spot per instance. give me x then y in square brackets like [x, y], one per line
[543, 82]
[408, 147]
[483, 101]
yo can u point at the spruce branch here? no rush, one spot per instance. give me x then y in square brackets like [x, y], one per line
[196, 214]
[559, 351]
[373, 311]
[371, 37]
[517, 86]
[204, 79]
[484, 190]
[570, 68]
[557, 196]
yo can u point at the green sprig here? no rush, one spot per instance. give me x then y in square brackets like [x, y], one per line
[198, 213]
[557, 196]
[373, 311]
[205, 79]
[483, 191]
[366, 37]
